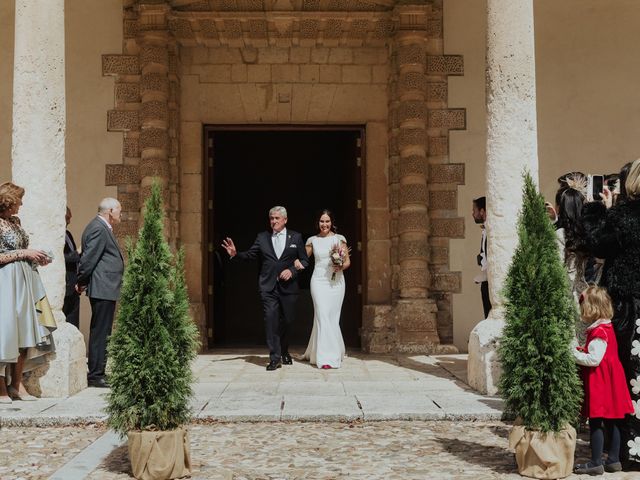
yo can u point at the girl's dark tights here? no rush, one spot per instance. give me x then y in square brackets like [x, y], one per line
[597, 427]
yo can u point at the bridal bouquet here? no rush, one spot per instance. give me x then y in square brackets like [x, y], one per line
[338, 254]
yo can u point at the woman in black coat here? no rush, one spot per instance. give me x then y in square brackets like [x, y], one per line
[613, 233]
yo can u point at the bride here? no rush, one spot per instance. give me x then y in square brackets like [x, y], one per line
[326, 346]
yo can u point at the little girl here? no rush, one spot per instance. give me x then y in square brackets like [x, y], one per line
[606, 396]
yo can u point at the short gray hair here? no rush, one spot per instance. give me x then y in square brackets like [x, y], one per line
[278, 209]
[107, 204]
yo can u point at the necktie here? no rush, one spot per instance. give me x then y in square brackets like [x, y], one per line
[278, 244]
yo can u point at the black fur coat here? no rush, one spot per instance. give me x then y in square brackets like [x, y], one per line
[614, 235]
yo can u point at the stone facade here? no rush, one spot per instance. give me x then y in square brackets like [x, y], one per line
[190, 63]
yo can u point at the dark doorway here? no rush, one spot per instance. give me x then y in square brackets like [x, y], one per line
[251, 170]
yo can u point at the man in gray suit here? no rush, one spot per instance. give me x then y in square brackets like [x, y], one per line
[100, 273]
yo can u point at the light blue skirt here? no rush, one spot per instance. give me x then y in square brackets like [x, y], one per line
[21, 289]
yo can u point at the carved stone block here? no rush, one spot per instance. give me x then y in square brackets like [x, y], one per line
[130, 28]
[413, 249]
[122, 120]
[443, 200]
[208, 28]
[233, 29]
[411, 55]
[413, 222]
[412, 81]
[129, 202]
[446, 282]
[437, 92]
[438, 146]
[120, 65]
[130, 147]
[126, 228]
[447, 227]
[153, 138]
[145, 192]
[447, 173]
[156, 110]
[127, 92]
[411, 111]
[118, 174]
[154, 82]
[413, 278]
[154, 167]
[257, 29]
[413, 193]
[383, 29]
[438, 255]
[181, 28]
[452, 119]
[410, 137]
[413, 165]
[154, 54]
[309, 29]
[445, 65]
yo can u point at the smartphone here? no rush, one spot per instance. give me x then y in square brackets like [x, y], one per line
[595, 185]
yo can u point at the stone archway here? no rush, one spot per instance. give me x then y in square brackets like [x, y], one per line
[380, 63]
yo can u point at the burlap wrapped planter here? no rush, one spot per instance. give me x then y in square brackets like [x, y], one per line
[543, 455]
[160, 455]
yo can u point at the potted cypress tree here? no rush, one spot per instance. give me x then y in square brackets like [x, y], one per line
[540, 382]
[150, 354]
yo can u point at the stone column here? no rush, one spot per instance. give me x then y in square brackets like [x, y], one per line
[158, 109]
[511, 148]
[38, 165]
[415, 314]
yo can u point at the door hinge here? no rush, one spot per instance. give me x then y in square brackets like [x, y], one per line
[359, 246]
[359, 203]
[211, 246]
[359, 289]
[210, 142]
[358, 142]
[210, 289]
[210, 332]
[210, 204]
[210, 162]
[359, 161]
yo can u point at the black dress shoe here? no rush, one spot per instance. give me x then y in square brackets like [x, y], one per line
[98, 383]
[273, 365]
[286, 359]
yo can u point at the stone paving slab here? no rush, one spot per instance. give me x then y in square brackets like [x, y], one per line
[234, 386]
[327, 409]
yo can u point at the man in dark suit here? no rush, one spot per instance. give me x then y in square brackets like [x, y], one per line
[100, 273]
[277, 251]
[71, 306]
[479, 212]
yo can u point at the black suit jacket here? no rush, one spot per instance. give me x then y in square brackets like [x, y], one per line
[71, 260]
[271, 266]
[101, 264]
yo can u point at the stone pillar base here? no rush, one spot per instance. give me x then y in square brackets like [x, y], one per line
[417, 327]
[378, 333]
[483, 365]
[408, 327]
[65, 372]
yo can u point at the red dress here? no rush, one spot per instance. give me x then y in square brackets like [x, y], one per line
[605, 386]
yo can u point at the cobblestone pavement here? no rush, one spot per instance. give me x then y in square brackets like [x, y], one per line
[286, 451]
[36, 453]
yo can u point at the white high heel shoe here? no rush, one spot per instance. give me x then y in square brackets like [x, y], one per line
[16, 395]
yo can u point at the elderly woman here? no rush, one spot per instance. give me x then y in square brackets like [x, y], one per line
[613, 233]
[26, 322]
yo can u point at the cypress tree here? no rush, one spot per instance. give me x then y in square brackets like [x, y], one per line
[150, 374]
[540, 381]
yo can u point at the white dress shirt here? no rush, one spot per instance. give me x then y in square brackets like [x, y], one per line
[597, 348]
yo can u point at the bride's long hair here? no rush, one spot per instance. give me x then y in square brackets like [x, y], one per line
[328, 213]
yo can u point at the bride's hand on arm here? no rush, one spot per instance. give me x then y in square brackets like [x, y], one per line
[347, 260]
[298, 265]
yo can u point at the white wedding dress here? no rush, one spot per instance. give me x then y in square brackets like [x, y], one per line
[326, 346]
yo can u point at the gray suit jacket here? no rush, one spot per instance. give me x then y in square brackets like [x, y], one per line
[101, 264]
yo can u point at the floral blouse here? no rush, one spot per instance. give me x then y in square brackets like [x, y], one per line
[13, 239]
